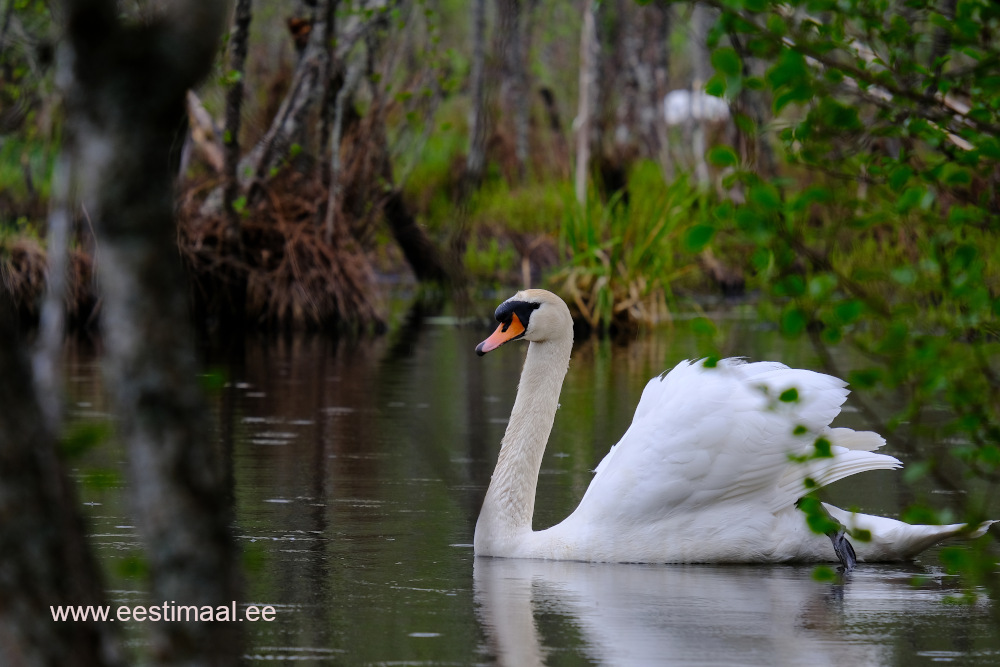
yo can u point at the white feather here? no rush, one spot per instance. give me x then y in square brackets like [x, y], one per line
[709, 470]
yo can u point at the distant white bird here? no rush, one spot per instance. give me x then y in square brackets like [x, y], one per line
[682, 105]
[703, 474]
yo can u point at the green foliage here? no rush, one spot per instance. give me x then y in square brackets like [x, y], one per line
[623, 258]
[824, 574]
[24, 163]
[531, 208]
[487, 258]
[880, 232]
[789, 395]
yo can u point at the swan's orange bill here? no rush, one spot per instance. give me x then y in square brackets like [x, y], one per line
[504, 333]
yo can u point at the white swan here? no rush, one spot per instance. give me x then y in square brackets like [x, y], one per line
[704, 472]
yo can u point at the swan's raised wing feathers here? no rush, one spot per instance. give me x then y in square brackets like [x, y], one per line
[708, 436]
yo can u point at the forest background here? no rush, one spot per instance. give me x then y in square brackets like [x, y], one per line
[838, 161]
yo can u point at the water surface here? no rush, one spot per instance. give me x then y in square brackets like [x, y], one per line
[358, 474]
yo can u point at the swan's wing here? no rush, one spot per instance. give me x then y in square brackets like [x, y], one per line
[852, 452]
[708, 436]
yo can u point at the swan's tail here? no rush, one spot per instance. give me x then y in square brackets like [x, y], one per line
[893, 540]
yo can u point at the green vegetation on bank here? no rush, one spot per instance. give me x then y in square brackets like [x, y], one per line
[854, 191]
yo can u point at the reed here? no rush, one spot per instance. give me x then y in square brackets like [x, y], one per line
[621, 257]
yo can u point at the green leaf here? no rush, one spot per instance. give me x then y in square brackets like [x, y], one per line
[821, 524]
[861, 535]
[848, 312]
[899, 177]
[789, 396]
[910, 198]
[824, 450]
[864, 378]
[792, 285]
[790, 68]
[702, 326]
[776, 24]
[803, 93]
[697, 237]
[956, 559]
[726, 61]
[822, 285]
[793, 322]
[766, 196]
[916, 471]
[716, 86]
[723, 156]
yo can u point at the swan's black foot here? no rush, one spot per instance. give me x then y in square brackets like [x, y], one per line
[842, 547]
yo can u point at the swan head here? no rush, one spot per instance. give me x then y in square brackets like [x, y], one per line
[534, 315]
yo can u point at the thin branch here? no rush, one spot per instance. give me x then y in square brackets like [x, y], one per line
[953, 109]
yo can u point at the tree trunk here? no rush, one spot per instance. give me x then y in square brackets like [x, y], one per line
[522, 110]
[475, 161]
[512, 52]
[46, 558]
[333, 200]
[52, 321]
[287, 128]
[326, 112]
[652, 72]
[125, 103]
[588, 96]
[239, 37]
[702, 71]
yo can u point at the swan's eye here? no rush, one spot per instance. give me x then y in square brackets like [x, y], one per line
[509, 309]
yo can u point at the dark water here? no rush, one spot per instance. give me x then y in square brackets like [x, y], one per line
[359, 470]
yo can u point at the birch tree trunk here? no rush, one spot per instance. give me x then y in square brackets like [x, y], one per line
[125, 103]
[638, 71]
[306, 90]
[589, 53]
[46, 560]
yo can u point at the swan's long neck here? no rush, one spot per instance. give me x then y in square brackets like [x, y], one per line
[510, 500]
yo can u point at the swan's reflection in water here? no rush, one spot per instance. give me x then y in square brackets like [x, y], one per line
[715, 615]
